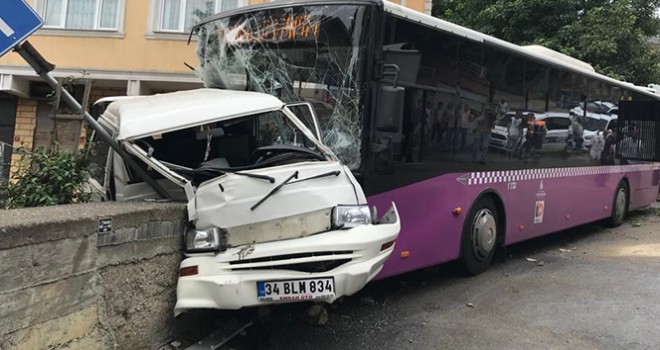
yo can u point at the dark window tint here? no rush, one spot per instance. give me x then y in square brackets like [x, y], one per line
[555, 123]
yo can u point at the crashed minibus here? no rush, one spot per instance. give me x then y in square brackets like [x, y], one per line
[273, 215]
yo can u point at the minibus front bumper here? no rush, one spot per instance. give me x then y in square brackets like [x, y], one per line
[321, 267]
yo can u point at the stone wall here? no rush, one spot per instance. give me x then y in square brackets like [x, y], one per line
[69, 280]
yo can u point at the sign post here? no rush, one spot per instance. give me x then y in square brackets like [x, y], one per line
[17, 21]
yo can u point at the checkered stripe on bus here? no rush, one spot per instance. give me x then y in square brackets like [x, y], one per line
[492, 177]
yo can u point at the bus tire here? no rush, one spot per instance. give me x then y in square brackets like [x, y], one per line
[620, 204]
[480, 236]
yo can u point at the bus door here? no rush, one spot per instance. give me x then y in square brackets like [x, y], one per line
[638, 136]
[638, 131]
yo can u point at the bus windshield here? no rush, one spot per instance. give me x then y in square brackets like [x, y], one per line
[298, 53]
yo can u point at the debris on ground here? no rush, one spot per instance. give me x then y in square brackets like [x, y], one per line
[368, 300]
[636, 224]
[531, 259]
[469, 305]
[316, 315]
[565, 250]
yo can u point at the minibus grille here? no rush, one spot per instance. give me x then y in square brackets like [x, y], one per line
[301, 262]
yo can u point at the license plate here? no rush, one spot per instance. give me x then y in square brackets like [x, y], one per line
[551, 139]
[303, 289]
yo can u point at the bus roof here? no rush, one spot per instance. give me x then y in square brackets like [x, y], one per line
[535, 52]
[571, 64]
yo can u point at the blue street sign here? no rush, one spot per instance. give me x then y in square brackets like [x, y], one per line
[17, 22]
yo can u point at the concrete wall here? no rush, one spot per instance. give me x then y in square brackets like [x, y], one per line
[65, 285]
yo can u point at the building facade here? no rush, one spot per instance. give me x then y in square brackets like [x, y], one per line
[101, 48]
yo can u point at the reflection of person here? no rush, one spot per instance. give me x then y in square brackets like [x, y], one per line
[597, 146]
[485, 123]
[450, 120]
[536, 131]
[463, 125]
[437, 127]
[607, 156]
[576, 133]
[631, 146]
[420, 120]
[502, 109]
[514, 129]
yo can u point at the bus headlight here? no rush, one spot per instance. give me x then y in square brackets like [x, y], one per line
[347, 216]
[208, 240]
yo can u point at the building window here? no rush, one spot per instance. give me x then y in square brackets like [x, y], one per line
[82, 14]
[179, 16]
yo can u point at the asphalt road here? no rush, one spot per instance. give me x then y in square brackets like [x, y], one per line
[587, 288]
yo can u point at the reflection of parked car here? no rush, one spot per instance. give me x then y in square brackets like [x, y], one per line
[499, 133]
[557, 125]
[594, 107]
[592, 125]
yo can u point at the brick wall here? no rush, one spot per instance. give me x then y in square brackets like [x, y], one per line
[26, 122]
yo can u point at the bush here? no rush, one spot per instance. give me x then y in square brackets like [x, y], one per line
[48, 177]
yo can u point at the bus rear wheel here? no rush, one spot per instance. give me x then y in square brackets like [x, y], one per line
[619, 205]
[480, 237]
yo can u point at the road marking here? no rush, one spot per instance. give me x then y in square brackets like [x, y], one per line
[5, 28]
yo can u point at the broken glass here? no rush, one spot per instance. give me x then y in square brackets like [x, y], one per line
[303, 53]
[202, 152]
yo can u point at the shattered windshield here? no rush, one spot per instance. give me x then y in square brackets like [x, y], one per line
[246, 143]
[301, 53]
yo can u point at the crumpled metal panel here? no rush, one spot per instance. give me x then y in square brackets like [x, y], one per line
[289, 227]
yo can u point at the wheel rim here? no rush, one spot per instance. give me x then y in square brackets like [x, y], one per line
[484, 233]
[620, 208]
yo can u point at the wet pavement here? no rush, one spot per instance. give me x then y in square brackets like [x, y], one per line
[587, 288]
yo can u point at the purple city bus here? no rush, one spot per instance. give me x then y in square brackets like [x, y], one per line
[475, 139]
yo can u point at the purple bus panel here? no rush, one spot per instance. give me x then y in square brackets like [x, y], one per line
[536, 202]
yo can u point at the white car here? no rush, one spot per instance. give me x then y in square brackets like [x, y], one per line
[603, 108]
[592, 125]
[499, 133]
[557, 124]
[273, 215]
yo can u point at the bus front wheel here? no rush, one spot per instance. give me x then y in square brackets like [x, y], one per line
[619, 205]
[480, 237]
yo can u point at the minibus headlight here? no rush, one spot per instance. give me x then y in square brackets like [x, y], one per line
[347, 216]
[207, 240]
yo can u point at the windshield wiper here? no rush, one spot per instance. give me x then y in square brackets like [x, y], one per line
[209, 171]
[256, 176]
[272, 192]
[330, 173]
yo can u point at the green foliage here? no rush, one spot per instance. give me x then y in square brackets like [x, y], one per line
[609, 34]
[48, 178]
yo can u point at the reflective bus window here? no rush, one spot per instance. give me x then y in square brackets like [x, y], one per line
[536, 86]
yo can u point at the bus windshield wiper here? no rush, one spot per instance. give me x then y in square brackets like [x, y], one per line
[272, 192]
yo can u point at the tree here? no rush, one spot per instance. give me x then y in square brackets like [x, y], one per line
[611, 35]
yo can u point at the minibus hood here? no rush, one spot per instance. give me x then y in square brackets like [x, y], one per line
[299, 202]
